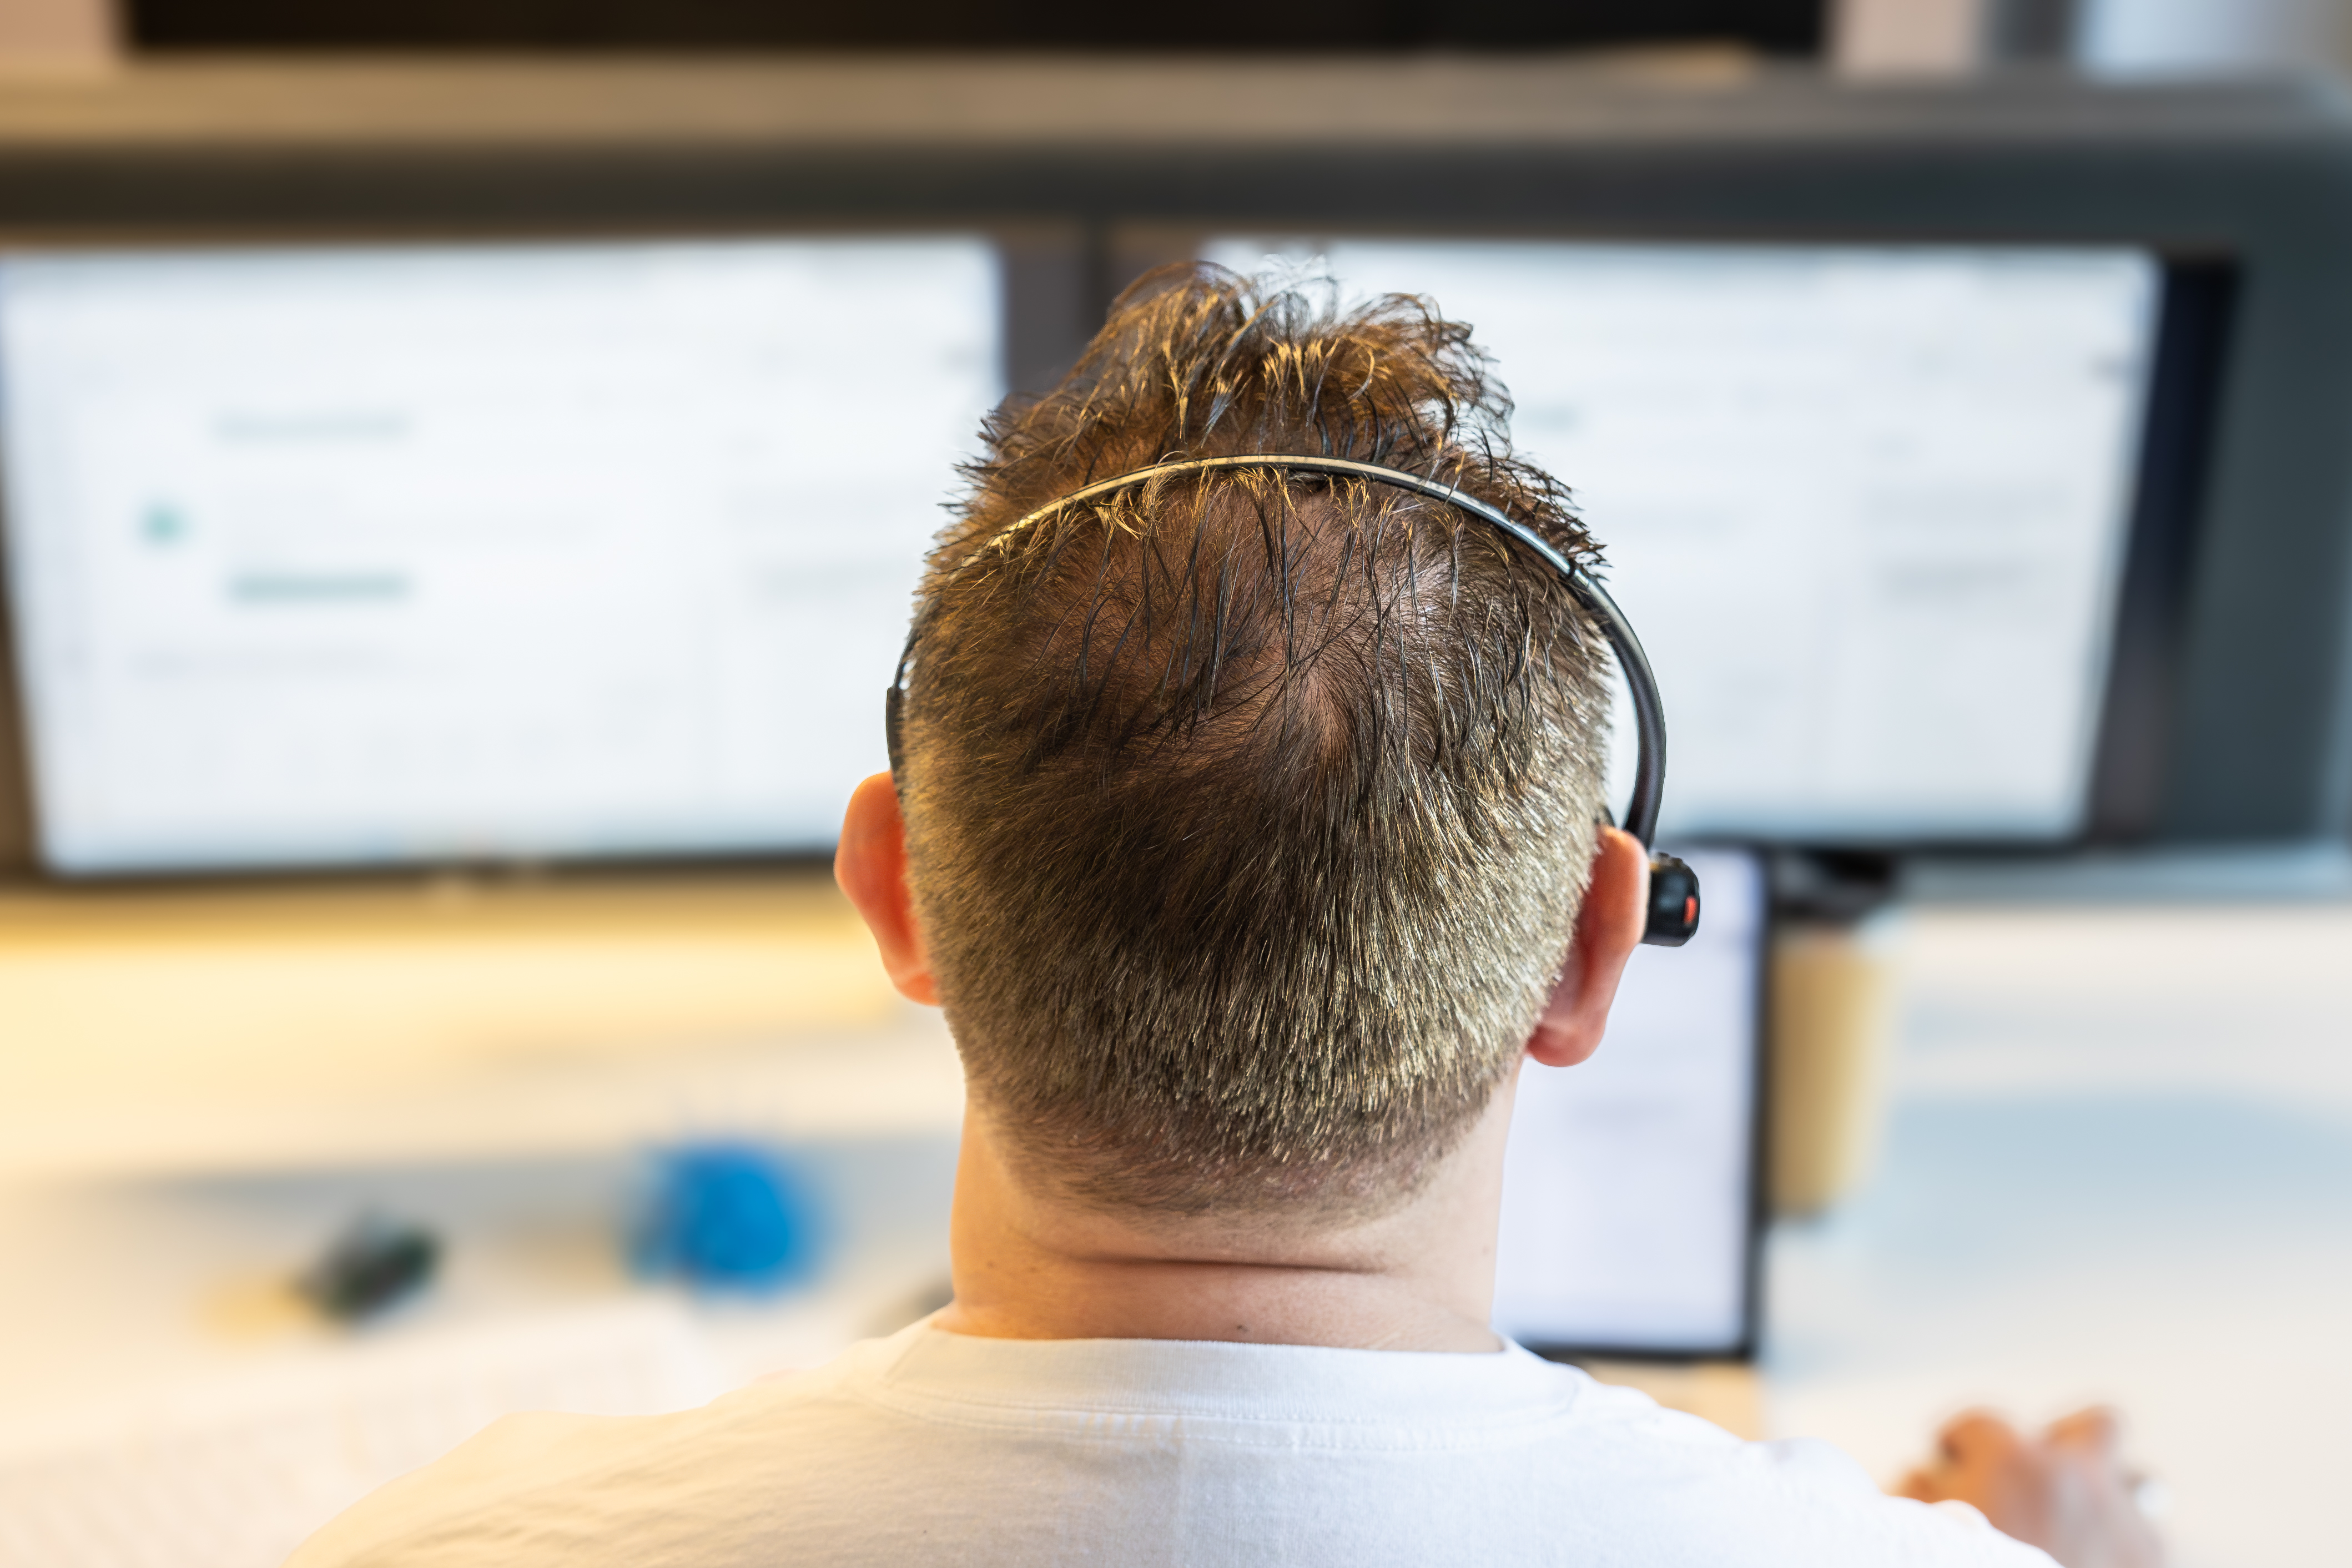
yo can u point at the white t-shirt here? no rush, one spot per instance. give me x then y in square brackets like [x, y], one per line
[931, 1446]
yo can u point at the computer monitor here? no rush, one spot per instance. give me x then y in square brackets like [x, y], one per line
[1632, 1186]
[2226, 716]
[350, 555]
[1868, 506]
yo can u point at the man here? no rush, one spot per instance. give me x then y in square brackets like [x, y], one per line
[1248, 830]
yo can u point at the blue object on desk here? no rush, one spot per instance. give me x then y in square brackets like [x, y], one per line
[730, 1216]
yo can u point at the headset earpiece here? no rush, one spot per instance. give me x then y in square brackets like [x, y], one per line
[1674, 902]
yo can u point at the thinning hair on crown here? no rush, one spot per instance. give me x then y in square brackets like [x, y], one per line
[1249, 813]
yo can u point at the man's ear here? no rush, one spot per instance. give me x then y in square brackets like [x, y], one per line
[1608, 928]
[871, 867]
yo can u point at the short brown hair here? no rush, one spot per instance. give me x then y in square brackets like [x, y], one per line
[1249, 814]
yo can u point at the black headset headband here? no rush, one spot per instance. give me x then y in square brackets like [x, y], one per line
[1674, 889]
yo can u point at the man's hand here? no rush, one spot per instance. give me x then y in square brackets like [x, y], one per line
[2064, 1491]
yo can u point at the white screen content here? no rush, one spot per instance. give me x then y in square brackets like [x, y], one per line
[338, 556]
[1628, 1185]
[1867, 506]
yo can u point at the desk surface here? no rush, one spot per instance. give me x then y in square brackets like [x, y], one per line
[187, 1031]
[2120, 1167]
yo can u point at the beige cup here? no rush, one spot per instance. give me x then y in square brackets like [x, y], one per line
[1830, 1033]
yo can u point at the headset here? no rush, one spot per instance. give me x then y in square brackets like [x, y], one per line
[1672, 916]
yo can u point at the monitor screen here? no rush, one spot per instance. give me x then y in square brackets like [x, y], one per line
[1629, 1188]
[1867, 506]
[339, 555]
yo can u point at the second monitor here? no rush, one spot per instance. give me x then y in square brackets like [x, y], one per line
[1871, 507]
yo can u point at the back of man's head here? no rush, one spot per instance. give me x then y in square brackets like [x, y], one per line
[1248, 813]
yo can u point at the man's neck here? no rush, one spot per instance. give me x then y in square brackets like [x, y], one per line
[1418, 1277]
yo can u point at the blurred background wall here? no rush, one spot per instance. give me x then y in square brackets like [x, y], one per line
[2120, 36]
